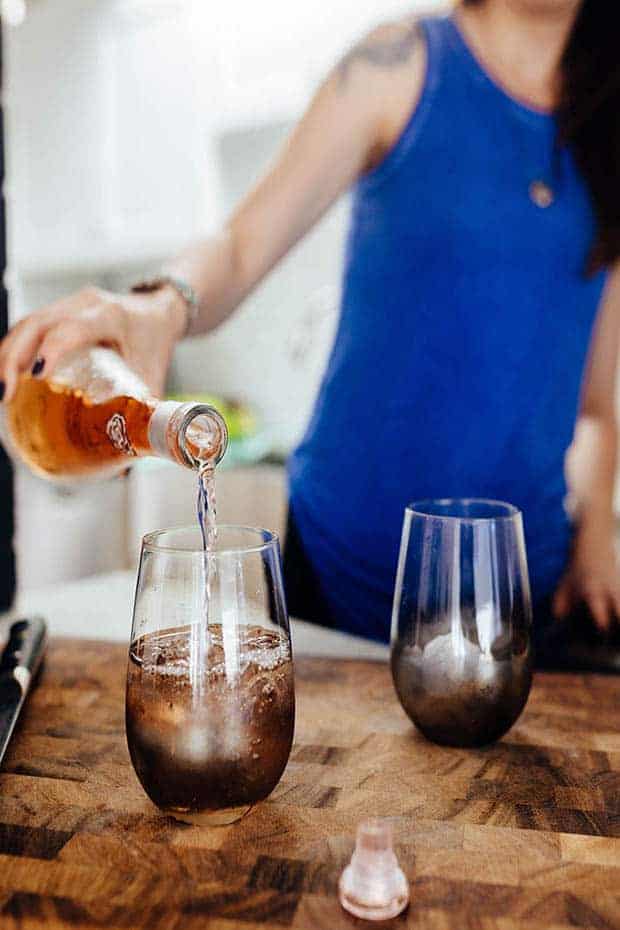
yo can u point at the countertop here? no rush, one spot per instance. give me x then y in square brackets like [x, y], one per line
[524, 834]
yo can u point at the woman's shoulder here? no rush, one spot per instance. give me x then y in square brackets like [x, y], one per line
[389, 48]
[390, 61]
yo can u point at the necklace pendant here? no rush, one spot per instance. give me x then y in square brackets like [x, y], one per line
[541, 194]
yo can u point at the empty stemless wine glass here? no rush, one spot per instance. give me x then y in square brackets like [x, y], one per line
[461, 659]
[210, 708]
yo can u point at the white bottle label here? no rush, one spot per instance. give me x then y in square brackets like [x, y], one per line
[116, 430]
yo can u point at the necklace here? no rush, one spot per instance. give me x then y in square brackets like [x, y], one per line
[541, 193]
[543, 189]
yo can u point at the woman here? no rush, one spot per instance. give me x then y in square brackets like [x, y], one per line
[479, 287]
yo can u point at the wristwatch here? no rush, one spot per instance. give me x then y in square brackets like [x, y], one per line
[183, 289]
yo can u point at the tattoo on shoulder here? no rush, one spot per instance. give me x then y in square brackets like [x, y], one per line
[382, 52]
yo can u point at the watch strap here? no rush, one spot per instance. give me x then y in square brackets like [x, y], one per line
[183, 289]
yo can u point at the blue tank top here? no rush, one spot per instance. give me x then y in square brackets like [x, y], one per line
[465, 323]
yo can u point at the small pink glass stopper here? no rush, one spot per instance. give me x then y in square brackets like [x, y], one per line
[373, 886]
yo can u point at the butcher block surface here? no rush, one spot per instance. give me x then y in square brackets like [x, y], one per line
[524, 834]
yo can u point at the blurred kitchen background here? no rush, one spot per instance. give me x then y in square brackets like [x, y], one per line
[133, 126]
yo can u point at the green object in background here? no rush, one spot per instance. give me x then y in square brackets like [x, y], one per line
[241, 421]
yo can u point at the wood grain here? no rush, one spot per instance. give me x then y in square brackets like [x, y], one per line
[524, 834]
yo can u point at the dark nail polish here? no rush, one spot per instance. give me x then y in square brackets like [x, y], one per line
[38, 366]
[2, 390]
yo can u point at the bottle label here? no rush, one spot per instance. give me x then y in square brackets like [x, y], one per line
[116, 430]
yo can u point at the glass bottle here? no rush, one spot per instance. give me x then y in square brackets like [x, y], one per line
[94, 415]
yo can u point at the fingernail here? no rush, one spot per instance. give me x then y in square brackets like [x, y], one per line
[38, 366]
[2, 390]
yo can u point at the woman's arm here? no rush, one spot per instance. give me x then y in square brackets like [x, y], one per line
[593, 575]
[352, 121]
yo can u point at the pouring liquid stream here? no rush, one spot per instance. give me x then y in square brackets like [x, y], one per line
[207, 521]
[207, 515]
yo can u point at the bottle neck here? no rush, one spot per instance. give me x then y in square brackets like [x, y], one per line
[190, 434]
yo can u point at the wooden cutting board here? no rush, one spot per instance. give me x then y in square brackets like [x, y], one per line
[525, 834]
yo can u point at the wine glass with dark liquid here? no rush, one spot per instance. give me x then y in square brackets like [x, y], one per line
[461, 655]
[210, 705]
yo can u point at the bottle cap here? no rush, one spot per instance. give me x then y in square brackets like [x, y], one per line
[373, 886]
[189, 433]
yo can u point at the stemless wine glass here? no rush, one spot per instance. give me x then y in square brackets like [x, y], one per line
[210, 706]
[461, 659]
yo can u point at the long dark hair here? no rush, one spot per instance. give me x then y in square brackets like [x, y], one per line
[589, 119]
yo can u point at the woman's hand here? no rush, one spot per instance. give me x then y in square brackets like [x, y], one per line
[142, 327]
[592, 578]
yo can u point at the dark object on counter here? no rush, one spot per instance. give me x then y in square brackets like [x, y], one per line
[589, 649]
[23, 645]
[574, 644]
[7, 555]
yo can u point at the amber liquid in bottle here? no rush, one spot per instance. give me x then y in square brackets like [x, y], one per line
[94, 416]
[60, 432]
